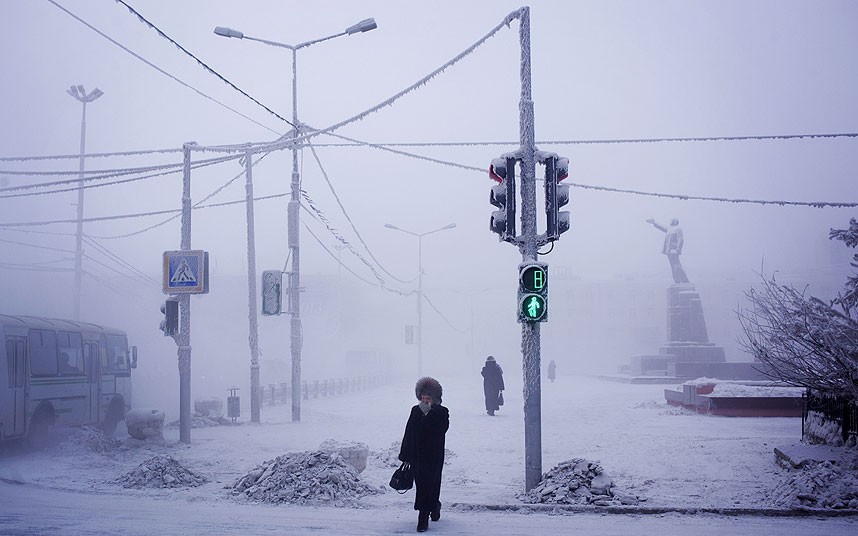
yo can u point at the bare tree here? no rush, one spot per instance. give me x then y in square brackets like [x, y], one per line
[803, 340]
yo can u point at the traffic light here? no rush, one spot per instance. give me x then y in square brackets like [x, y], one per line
[170, 323]
[502, 196]
[556, 196]
[533, 292]
[272, 292]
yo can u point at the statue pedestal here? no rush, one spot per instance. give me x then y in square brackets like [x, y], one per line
[687, 352]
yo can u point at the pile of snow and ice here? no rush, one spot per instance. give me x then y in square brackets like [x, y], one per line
[819, 430]
[578, 481]
[388, 457]
[826, 485]
[755, 389]
[161, 471]
[89, 438]
[315, 477]
[198, 420]
[353, 452]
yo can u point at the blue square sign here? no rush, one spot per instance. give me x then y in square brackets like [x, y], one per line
[186, 272]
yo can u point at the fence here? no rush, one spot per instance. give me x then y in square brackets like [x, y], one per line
[832, 408]
[275, 393]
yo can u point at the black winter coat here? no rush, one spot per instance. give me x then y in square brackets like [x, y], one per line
[492, 384]
[423, 448]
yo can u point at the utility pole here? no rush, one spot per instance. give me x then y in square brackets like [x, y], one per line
[81, 96]
[253, 336]
[184, 340]
[530, 341]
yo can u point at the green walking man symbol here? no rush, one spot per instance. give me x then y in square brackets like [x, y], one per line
[533, 307]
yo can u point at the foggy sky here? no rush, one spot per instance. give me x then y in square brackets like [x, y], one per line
[601, 71]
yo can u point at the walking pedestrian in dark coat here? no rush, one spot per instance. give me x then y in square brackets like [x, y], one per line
[423, 448]
[492, 384]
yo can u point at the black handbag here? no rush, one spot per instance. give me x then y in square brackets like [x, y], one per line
[500, 398]
[403, 478]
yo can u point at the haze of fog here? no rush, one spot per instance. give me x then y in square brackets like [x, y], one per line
[601, 71]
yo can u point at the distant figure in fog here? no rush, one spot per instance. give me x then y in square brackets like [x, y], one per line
[492, 384]
[552, 371]
[423, 448]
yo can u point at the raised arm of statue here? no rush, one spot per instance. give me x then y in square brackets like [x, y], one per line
[657, 225]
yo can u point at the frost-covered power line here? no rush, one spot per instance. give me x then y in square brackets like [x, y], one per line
[143, 19]
[160, 70]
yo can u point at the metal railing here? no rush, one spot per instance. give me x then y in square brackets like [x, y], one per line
[281, 393]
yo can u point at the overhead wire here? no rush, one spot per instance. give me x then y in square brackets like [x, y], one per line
[348, 218]
[117, 259]
[603, 141]
[145, 21]
[444, 318]
[170, 170]
[162, 71]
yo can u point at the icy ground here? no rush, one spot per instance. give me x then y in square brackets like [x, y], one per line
[662, 456]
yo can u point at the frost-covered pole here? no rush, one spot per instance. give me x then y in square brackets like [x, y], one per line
[529, 330]
[81, 95]
[251, 289]
[185, 308]
[295, 337]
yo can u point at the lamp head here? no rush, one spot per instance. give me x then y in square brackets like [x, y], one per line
[228, 32]
[363, 26]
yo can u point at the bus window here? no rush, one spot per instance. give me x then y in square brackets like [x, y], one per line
[70, 346]
[10, 362]
[43, 353]
[20, 358]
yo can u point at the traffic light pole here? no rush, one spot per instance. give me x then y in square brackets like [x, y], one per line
[530, 341]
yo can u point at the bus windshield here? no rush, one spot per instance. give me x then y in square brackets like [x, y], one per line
[118, 360]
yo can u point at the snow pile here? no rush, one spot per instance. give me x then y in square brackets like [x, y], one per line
[161, 471]
[353, 452]
[307, 478]
[819, 430]
[388, 457]
[824, 485]
[765, 391]
[578, 481]
[199, 420]
[89, 438]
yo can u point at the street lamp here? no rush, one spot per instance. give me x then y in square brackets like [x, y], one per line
[420, 287]
[83, 97]
[295, 200]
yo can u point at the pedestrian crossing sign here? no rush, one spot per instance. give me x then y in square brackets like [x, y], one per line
[186, 272]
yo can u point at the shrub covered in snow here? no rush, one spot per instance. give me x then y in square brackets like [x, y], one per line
[314, 478]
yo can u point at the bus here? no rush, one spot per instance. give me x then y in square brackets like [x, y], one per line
[61, 373]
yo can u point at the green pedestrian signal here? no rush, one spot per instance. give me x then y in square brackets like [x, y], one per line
[533, 292]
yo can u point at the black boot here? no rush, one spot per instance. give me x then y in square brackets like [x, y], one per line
[422, 521]
[436, 513]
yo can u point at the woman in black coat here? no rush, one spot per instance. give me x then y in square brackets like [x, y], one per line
[423, 448]
[492, 384]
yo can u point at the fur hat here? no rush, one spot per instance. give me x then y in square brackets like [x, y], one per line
[429, 386]
[490, 358]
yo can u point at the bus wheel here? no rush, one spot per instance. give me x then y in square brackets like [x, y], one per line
[39, 434]
[111, 420]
